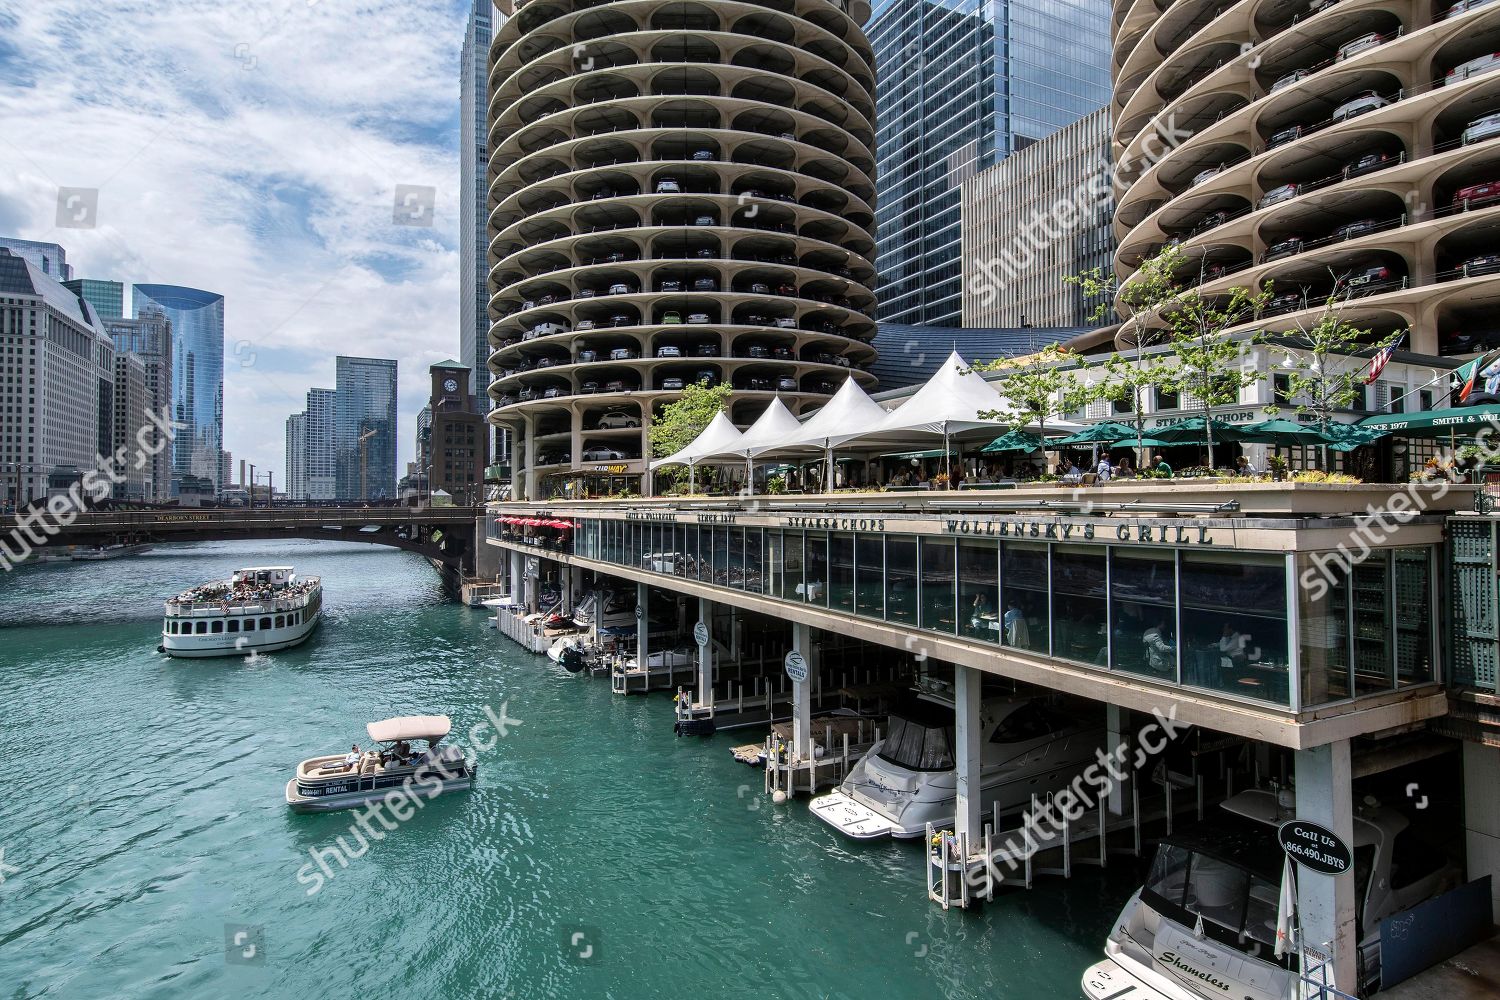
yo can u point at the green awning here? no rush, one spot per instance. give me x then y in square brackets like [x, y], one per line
[1285, 433]
[1017, 440]
[1350, 436]
[1107, 432]
[1435, 423]
[1190, 431]
[930, 453]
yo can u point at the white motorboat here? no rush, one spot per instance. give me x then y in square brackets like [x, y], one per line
[342, 781]
[907, 779]
[258, 610]
[1204, 924]
[606, 609]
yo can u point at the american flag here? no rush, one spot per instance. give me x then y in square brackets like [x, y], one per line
[1382, 358]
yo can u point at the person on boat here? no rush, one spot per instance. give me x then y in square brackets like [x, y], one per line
[351, 759]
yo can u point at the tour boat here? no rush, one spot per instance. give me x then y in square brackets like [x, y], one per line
[257, 610]
[907, 779]
[345, 780]
[1205, 922]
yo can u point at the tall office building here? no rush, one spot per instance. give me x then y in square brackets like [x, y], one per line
[131, 428]
[197, 319]
[320, 461]
[674, 206]
[107, 297]
[296, 456]
[961, 86]
[50, 258]
[364, 422]
[424, 437]
[149, 337]
[474, 159]
[61, 369]
[1032, 220]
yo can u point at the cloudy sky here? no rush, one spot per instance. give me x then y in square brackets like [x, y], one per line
[252, 148]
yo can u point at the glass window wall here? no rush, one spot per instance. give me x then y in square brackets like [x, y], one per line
[938, 584]
[841, 572]
[1233, 623]
[1023, 580]
[901, 579]
[1143, 612]
[869, 576]
[814, 589]
[979, 589]
[1079, 613]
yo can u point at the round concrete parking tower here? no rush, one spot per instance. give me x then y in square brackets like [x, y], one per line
[678, 192]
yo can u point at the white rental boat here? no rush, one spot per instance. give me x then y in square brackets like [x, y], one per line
[907, 780]
[342, 781]
[1204, 924]
[258, 610]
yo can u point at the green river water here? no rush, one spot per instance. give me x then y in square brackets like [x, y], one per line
[148, 851]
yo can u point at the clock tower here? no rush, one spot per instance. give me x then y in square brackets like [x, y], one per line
[457, 448]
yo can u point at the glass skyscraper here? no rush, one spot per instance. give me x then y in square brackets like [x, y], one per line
[107, 297]
[197, 319]
[961, 85]
[364, 425]
[473, 248]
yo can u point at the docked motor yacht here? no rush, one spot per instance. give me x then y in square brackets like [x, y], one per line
[341, 781]
[257, 610]
[907, 779]
[1204, 924]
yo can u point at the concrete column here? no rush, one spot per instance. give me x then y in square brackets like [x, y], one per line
[517, 475]
[705, 692]
[802, 696]
[1118, 720]
[1482, 815]
[642, 616]
[967, 750]
[517, 583]
[530, 475]
[1326, 903]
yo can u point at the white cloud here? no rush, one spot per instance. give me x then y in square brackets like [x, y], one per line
[253, 149]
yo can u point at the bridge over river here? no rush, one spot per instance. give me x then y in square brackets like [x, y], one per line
[442, 534]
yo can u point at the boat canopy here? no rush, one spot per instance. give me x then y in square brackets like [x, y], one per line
[410, 727]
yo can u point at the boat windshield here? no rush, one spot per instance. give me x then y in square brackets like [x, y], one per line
[919, 742]
[1235, 895]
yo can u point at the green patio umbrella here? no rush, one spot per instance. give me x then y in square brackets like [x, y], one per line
[1146, 442]
[1107, 432]
[1347, 437]
[1016, 440]
[1282, 433]
[1190, 431]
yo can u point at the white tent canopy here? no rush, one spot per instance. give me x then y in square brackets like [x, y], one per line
[948, 403]
[850, 413]
[770, 431]
[719, 435]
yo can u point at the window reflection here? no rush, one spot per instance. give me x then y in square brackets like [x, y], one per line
[1234, 624]
[938, 582]
[841, 571]
[814, 588]
[870, 576]
[979, 589]
[1143, 612]
[901, 579]
[1078, 604]
[791, 566]
[1023, 576]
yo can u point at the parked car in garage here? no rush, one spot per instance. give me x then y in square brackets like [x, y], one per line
[1288, 247]
[1350, 230]
[1284, 303]
[1280, 138]
[1369, 163]
[1471, 67]
[1367, 279]
[623, 354]
[668, 351]
[1355, 46]
[1362, 104]
[1278, 194]
[1475, 195]
[617, 420]
[1480, 128]
[1488, 263]
[600, 453]
[1290, 78]
[672, 383]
